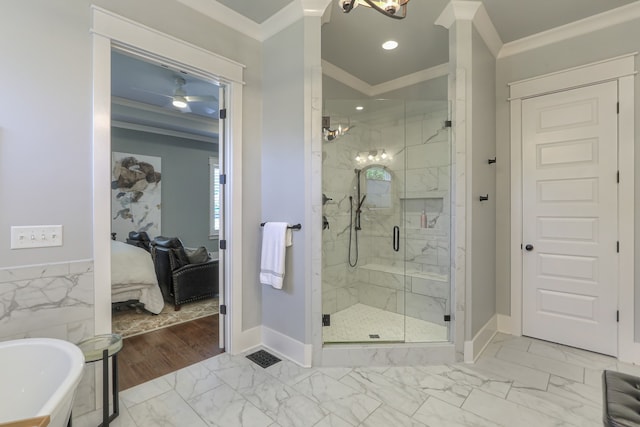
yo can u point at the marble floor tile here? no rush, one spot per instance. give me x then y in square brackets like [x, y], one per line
[332, 420]
[399, 396]
[337, 398]
[506, 340]
[145, 391]
[284, 404]
[386, 416]
[436, 413]
[435, 385]
[507, 413]
[168, 409]
[544, 364]
[571, 411]
[288, 372]
[335, 373]
[94, 418]
[462, 375]
[225, 407]
[572, 355]
[193, 381]
[517, 381]
[522, 376]
[575, 390]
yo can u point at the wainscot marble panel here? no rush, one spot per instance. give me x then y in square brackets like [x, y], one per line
[51, 301]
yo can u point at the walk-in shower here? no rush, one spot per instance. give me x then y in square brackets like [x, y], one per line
[386, 257]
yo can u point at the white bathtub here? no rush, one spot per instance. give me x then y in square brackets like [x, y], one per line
[39, 377]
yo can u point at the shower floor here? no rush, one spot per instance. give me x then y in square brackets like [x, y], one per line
[358, 322]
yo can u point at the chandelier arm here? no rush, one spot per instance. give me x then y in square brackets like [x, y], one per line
[403, 8]
[348, 7]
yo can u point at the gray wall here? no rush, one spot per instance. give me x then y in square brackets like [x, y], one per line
[283, 173]
[46, 145]
[185, 182]
[596, 46]
[483, 214]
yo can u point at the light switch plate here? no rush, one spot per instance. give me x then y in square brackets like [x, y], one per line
[35, 236]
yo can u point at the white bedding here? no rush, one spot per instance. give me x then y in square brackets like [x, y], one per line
[133, 276]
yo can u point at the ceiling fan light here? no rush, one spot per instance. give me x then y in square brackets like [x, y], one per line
[179, 101]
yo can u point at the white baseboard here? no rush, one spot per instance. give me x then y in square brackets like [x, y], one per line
[504, 324]
[287, 347]
[473, 348]
[247, 340]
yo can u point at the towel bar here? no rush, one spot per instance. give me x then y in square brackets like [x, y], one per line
[293, 227]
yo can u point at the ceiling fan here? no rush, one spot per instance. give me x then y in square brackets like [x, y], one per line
[181, 100]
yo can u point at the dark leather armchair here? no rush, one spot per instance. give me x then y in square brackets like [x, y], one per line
[180, 280]
[139, 239]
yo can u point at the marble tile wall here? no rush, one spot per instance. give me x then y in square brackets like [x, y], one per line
[421, 182]
[51, 301]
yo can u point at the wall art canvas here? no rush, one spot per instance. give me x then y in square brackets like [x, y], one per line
[136, 194]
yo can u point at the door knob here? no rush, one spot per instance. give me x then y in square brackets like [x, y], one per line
[529, 247]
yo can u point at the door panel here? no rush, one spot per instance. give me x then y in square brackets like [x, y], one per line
[570, 217]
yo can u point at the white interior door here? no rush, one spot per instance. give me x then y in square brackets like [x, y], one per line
[570, 217]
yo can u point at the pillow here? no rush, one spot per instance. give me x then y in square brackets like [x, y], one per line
[197, 256]
[180, 257]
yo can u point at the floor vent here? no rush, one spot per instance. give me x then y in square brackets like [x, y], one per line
[263, 358]
[372, 336]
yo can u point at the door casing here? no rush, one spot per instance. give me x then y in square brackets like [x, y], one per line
[622, 70]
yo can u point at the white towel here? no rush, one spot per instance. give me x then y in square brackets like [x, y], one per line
[275, 239]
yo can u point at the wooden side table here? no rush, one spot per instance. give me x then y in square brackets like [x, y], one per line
[102, 347]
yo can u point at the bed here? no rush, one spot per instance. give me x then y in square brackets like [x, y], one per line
[133, 277]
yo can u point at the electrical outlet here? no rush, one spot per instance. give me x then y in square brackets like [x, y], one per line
[35, 236]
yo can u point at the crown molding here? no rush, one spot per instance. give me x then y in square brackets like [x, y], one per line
[286, 16]
[281, 20]
[584, 26]
[344, 77]
[411, 79]
[458, 10]
[487, 31]
[353, 82]
[224, 15]
[315, 7]
[472, 11]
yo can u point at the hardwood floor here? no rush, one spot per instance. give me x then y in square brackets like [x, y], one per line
[154, 354]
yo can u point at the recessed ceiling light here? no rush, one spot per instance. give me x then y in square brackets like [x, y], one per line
[390, 45]
[359, 108]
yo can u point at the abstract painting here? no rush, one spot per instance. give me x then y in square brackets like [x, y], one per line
[136, 194]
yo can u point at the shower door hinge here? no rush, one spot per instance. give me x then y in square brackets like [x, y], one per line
[223, 179]
[223, 309]
[447, 123]
[223, 244]
[223, 114]
[618, 246]
[618, 177]
[447, 318]
[326, 320]
[617, 315]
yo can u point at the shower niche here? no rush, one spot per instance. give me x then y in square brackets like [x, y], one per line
[386, 258]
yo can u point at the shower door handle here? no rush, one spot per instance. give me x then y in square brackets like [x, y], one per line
[396, 238]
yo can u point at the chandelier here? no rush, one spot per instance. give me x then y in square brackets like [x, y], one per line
[389, 8]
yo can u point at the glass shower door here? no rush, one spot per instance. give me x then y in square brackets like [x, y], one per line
[363, 275]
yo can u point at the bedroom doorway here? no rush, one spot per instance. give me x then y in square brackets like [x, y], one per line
[166, 204]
